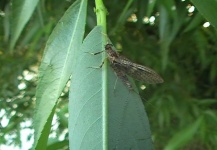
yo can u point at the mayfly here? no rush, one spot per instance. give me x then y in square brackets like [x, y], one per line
[123, 67]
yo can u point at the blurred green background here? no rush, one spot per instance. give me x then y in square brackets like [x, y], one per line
[173, 37]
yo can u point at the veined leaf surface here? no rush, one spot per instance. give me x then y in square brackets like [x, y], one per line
[103, 113]
[56, 67]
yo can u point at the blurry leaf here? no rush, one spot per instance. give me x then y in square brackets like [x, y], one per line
[194, 23]
[169, 5]
[30, 34]
[6, 23]
[207, 9]
[164, 118]
[103, 113]
[170, 23]
[142, 9]
[123, 16]
[205, 102]
[55, 145]
[164, 29]
[151, 5]
[163, 26]
[21, 13]
[40, 17]
[213, 72]
[56, 67]
[212, 115]
[201, 45]
[209, 125]
[184, 136]
[63, 119]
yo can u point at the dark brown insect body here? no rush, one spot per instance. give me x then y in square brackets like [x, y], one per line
[123, 67]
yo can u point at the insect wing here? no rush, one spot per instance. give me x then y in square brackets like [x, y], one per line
[137, 71]
[122, 75]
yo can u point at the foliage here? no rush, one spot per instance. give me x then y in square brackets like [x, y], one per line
[182, 111]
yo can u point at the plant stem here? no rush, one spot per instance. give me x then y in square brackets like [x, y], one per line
[101, 13]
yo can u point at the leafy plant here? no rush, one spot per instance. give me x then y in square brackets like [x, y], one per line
[103, 113]
[94, 112]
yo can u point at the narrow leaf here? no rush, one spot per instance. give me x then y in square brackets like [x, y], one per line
[56, 66]
[184, 136]
[207, 9]
[195, 22]
[21, 12]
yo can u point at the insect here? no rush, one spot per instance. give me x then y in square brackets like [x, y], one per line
[123, 67]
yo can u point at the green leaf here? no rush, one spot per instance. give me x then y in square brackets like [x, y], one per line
[55, 144]
[150, 9]
[207, 9]
[21, 13]
[164, 31]
[195, 22]
[56, 67]
[127, 11]
[213, 72]
[184, 136]
[169, 27]
[103, 113]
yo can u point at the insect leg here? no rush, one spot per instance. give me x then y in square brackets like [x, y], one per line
[95, 53]
[115, 82]
[100, 66]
